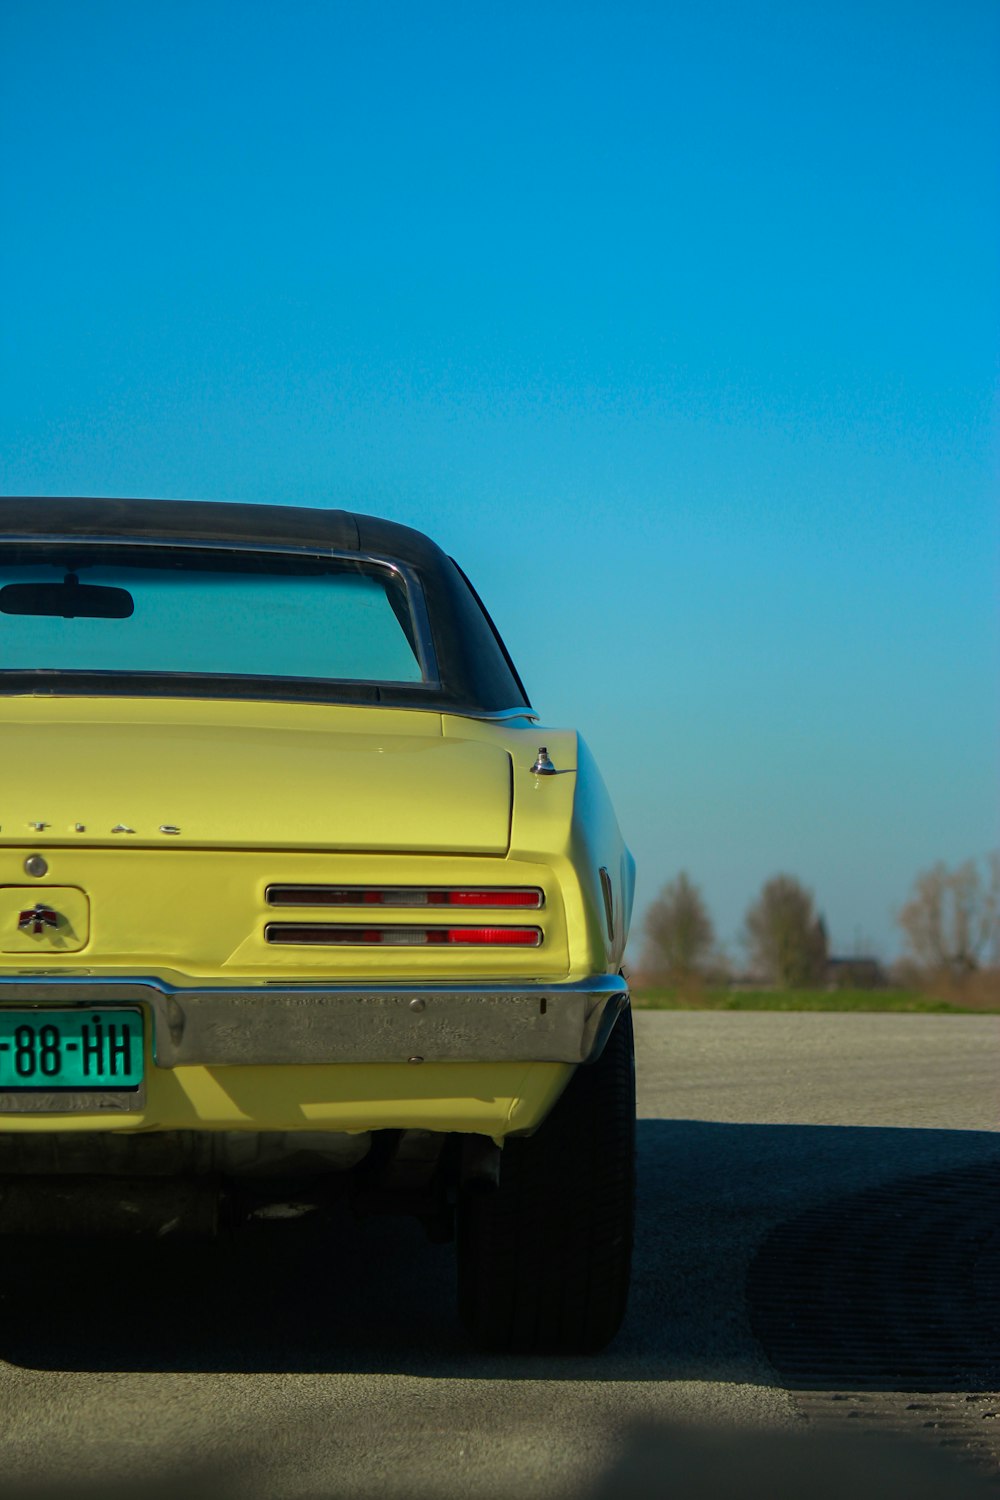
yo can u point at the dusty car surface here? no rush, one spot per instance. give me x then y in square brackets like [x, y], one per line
[298, 900]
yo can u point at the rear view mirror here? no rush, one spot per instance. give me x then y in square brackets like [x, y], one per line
[70, 599]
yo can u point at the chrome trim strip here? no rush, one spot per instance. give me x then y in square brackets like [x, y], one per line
[501, 716]
[609, 901]
[74, 1101]
[253, 1022]
[285, 894]
[355, 934]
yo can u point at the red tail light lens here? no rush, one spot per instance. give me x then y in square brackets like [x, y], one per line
[525, 937]
[486, 898]
[334, 933]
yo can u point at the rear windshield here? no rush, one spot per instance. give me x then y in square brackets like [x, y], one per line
[210, 614]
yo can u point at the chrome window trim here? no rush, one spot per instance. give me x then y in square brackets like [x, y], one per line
[498, 716]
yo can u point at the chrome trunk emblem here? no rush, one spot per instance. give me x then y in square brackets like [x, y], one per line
[37, 919]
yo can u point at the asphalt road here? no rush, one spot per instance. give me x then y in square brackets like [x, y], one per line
[293, 1365]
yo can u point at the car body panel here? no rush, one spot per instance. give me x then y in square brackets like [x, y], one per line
[237, 775]
[492, 1099]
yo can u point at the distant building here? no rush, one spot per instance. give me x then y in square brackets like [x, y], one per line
[854, 974]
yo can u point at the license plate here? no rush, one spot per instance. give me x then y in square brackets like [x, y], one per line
[70, 1049]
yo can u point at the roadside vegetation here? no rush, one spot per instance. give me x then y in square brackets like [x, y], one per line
[950, 928]
[709, 997]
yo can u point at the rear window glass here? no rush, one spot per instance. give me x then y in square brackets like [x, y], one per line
[255, 615]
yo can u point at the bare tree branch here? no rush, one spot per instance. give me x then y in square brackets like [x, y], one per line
[786, 939]
[952, 918]
[678, 931]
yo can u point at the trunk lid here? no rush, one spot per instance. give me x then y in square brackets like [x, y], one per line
[246, 775]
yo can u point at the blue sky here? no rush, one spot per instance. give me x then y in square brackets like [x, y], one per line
[675, 323]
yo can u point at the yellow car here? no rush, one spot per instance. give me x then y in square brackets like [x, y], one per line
[298, 900]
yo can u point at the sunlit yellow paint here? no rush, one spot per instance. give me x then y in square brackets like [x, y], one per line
[311, 794]
[492, 1099]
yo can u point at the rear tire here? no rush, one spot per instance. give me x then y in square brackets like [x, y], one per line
[544, 1259]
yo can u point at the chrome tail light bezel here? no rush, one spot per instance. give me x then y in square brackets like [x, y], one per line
[357, 935]
[286, 894]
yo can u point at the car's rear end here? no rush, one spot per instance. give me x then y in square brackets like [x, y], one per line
[289, 895]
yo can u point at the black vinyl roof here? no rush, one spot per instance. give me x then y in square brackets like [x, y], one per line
[476, 673]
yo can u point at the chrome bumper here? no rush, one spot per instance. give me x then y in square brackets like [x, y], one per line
[273, 1022]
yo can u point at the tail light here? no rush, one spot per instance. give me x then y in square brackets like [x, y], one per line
[336, 933]
[486, 897]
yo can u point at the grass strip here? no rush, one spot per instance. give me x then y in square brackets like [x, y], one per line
[707, 998]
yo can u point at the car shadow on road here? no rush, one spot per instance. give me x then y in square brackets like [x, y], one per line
[730, 1218]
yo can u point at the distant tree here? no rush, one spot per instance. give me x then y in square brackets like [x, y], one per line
[785, 937]
[678, 930]
[952, 918]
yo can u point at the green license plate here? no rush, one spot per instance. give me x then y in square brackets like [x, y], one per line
[70, 1049]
